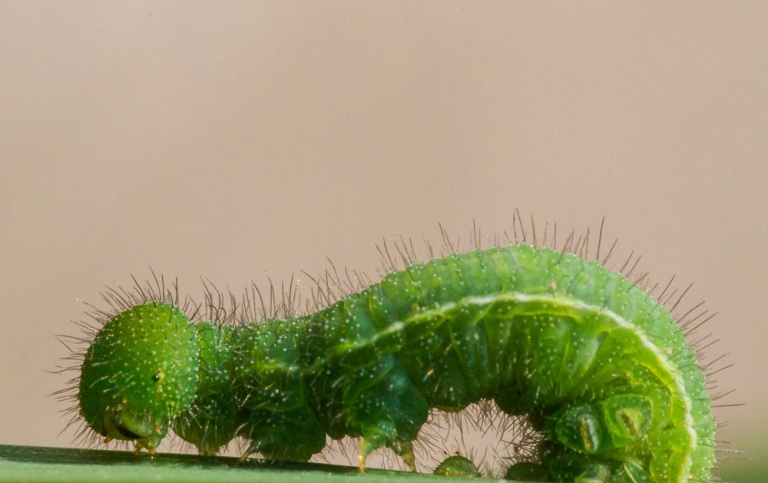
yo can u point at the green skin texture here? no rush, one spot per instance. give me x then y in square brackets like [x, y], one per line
[600, 368]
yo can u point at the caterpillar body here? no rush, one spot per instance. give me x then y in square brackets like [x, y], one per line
[597, 366]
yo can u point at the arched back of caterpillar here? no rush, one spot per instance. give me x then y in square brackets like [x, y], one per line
[596, 365]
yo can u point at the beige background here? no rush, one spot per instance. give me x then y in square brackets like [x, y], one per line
[237, 140]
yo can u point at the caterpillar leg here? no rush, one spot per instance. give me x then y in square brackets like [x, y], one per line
[388, 410]
[562, 464]
[149, 445]
[406, 453]
[595, 437]
[613, 423]
[572, 466]
[385, 434]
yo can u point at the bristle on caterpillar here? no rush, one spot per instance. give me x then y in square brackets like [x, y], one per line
[589, 358]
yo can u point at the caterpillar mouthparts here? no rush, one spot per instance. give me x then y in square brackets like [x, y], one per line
[595, 364]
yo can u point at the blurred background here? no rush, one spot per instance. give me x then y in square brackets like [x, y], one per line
[244, 140]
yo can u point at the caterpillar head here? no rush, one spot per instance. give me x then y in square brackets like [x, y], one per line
[139, 373]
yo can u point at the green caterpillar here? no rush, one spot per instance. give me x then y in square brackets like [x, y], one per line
[596, 365]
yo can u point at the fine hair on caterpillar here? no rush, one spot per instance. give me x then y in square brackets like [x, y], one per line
[591, 363]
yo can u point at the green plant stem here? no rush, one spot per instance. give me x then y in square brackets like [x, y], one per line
[60, 465]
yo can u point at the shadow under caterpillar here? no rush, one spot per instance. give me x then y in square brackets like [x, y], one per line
[597, 366]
